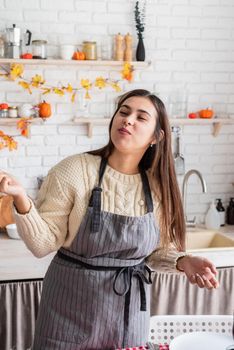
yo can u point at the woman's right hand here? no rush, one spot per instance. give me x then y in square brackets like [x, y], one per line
[10, 186]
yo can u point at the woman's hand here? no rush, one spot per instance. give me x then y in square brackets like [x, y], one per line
[10, 186]
[199, 271]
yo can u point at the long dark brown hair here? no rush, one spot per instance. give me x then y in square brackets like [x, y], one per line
[160, 163]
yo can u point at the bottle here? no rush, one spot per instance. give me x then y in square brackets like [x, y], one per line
[2, 47]
[119, 52]
[230, 212]
[221, 210]
[128, 48]
[212, 219]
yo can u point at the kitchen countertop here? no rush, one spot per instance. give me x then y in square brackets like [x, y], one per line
[17, 262]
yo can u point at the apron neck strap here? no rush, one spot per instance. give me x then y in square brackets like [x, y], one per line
[147, 191]
[95, 200]
[102, 169]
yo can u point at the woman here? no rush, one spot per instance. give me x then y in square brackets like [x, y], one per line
[105, 212]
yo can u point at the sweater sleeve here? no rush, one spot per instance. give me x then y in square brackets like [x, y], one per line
[161, 260]
[45, 227]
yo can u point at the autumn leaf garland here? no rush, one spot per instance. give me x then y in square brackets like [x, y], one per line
[38, 82]
[7, 141]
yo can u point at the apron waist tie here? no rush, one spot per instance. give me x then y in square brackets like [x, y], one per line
[127, 272]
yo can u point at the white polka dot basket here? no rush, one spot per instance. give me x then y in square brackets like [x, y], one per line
[163, 329]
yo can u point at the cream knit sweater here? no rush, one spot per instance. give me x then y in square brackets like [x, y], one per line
[63, 199]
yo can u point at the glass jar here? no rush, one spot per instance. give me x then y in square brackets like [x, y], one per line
[90, 50]
[4, 113]
[39, 49]
[106, 49]
[12, 112]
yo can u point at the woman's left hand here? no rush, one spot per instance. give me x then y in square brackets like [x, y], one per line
[199, 271]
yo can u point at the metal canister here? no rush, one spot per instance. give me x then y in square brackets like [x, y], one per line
[90, 50]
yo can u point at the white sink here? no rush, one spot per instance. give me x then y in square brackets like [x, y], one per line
[215, 246]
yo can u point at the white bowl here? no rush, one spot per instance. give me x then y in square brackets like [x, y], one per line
[12, 231]
[201, 341]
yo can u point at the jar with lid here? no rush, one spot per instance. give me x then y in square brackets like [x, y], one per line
[39, 49]
[90, 50]
[4, 113]
[12, 112]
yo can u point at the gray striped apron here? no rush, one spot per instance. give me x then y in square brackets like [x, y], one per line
[96, 293]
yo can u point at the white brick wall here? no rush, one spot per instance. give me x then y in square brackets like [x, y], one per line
[190, 44]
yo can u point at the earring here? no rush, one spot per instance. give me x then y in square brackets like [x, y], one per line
[151, 145]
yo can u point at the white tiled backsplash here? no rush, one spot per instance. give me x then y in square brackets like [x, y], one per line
[191, 46]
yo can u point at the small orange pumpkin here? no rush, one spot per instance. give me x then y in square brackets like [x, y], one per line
[44, 110]
[206, 113]
[78, 55]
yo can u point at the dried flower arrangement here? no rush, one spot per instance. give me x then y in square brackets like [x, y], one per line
[140, 18]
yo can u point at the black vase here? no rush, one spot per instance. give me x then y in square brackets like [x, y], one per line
[140, 51]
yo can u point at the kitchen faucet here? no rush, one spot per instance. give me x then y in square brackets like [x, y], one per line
[191, 223]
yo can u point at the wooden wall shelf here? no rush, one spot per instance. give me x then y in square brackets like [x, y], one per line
[12, 121]
[91, 122]
[78, 63]
[216, 122]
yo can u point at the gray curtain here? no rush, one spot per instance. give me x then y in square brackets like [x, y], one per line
[19, 303]
[171, 295]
